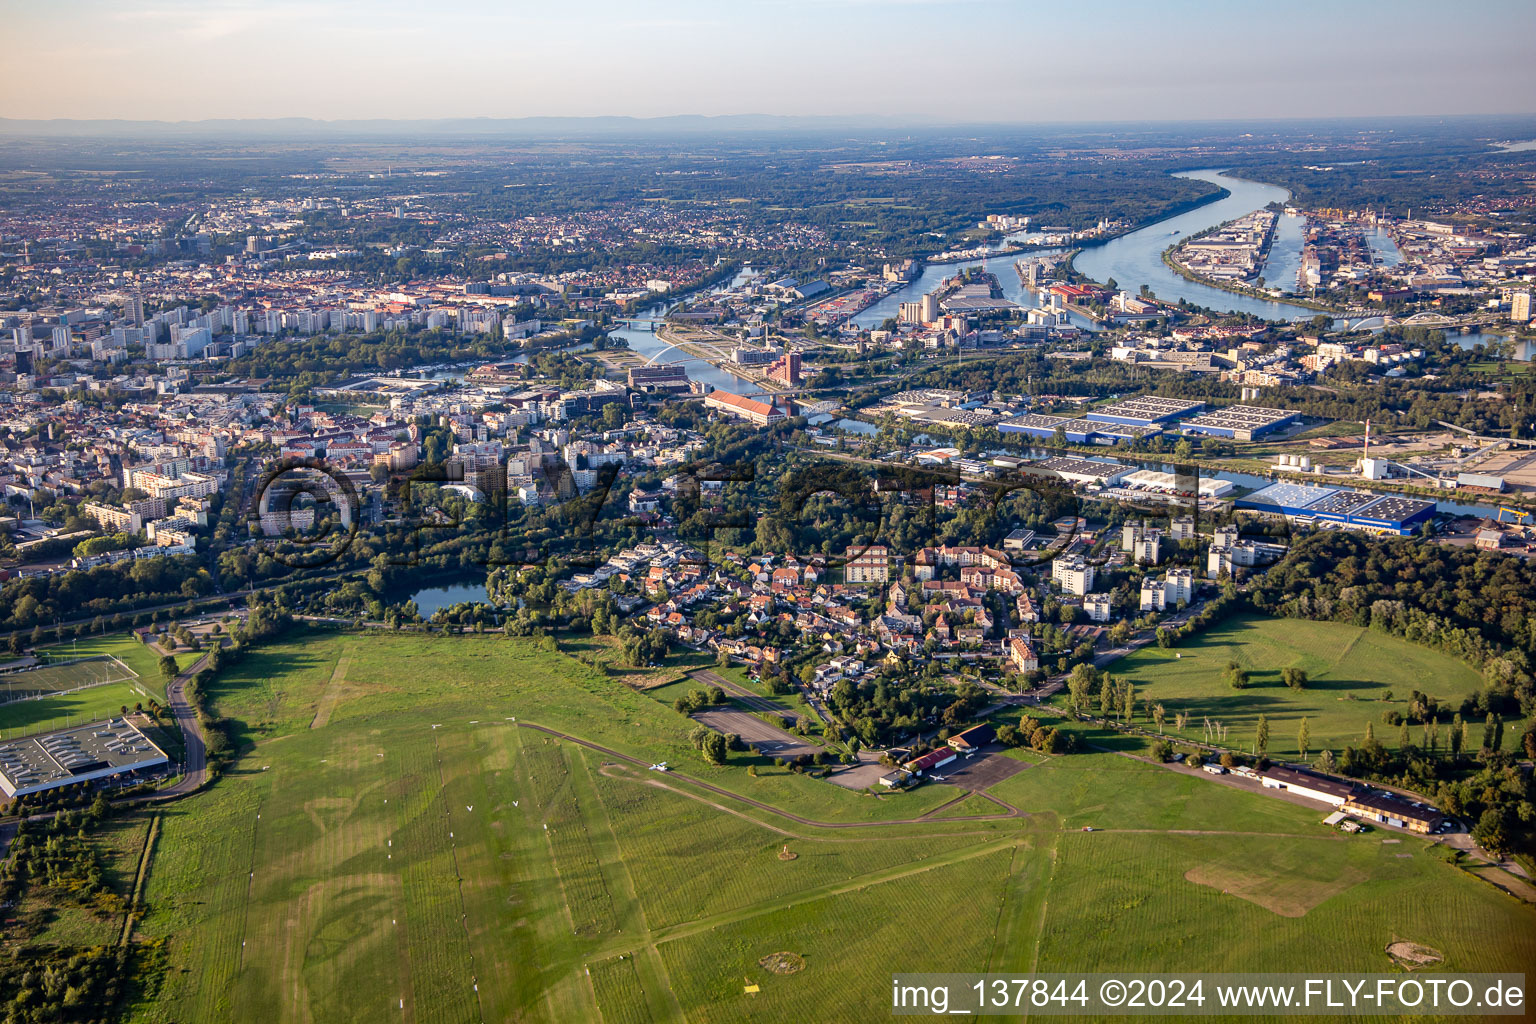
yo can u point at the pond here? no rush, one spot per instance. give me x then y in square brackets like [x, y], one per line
[432, 599]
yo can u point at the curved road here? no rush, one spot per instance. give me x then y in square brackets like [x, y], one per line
[195, 757]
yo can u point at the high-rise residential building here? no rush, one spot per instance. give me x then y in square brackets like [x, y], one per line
[1074, 574]
[1520, 307]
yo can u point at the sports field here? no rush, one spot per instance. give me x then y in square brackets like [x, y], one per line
[81, 680]
[1350, 672]
[412, 853]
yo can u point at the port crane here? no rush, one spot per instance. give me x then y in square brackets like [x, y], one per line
[1518, 516]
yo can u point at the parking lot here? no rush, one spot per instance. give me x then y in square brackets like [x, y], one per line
[756, 733]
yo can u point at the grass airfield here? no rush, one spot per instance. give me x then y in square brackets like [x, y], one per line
[393, 845]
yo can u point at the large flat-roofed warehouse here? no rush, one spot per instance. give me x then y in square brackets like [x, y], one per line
[1377, 513]
[1077, 431]
[1145, 411]
[1239, 422]
[975, 298]
[1285, 499]
[1079, 471]
[1338, 505]
[1393, 513]
[34, 764]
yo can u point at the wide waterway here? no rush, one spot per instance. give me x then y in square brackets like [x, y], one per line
[1136, 258]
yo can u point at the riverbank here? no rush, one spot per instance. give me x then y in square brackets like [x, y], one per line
[1238, 289]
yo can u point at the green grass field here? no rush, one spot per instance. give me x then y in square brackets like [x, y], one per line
[125, 648]
[21, 717]
[1350, 671]
[391, 845]
[95, 702]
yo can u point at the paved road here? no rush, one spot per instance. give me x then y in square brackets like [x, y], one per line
[192, 739]
[743, 695]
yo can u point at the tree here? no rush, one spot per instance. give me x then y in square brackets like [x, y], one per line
[1128, 705]
[168, 667]
[1080, 684]
[1303, 738]
[716, 748]
[1236, 676]
[1295, 678]
[1261, 735]
[1162, 750]
[1490, 833]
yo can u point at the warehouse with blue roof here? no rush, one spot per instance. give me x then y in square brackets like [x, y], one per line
[1077, 431]
[1355, 510]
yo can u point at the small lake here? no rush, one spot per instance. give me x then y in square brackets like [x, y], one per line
[433, 599]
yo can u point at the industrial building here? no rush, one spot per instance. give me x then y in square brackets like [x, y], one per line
[1169, 483]
[1079, 471]
[1239, 422]
[1377, 513]
[1145, 411]
[1077, 431]
[47, 761]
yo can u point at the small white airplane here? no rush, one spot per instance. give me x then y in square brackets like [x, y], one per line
[660, 766]
[469, 807]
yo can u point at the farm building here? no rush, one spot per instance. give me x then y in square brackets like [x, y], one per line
[34, 764]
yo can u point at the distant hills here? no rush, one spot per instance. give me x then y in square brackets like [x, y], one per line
[306, 127]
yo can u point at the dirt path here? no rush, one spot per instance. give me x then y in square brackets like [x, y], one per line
[334, 691]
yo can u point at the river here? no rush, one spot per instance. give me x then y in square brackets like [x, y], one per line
[1136, 258]
[934, 274]
[648, 345]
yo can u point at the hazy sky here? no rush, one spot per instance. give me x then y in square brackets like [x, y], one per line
[937, 60]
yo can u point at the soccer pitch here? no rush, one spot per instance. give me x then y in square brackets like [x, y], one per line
[55, 695]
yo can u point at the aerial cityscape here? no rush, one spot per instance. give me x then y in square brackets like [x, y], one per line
[644, 520]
